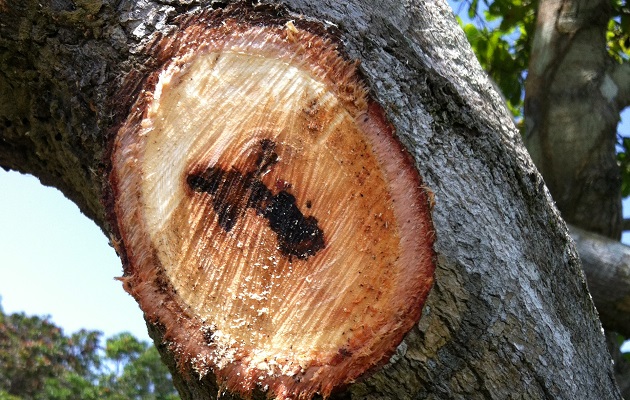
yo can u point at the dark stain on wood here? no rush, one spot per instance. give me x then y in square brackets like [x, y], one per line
[233, 192]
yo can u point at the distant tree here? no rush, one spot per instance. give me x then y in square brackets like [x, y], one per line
[139, 372]
[37, 361]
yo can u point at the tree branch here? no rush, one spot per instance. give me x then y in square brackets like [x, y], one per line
[620, 364]
[606, 264]
[509, 307]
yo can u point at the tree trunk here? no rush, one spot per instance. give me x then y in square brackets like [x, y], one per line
[574, 93]
[509, 313]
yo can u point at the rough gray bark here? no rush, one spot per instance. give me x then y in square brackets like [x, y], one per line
[509, 314]
[574, 93]
[606, 265]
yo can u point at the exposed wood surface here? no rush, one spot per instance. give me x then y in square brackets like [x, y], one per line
[271, 221]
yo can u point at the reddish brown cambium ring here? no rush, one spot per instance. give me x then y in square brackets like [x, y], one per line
[269, 220]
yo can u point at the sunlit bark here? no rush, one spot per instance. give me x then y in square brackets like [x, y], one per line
[509, 312]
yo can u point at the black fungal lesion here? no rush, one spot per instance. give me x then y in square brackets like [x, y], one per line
[233, 192]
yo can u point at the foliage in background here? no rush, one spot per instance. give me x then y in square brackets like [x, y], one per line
[618, 35]
[37, 361]
[500, 33]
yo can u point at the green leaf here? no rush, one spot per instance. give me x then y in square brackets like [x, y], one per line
[472, 9]
[124, 346]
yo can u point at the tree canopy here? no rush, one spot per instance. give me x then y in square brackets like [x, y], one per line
[39, 361]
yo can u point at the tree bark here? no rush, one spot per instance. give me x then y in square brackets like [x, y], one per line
[574, 94]
[509, 313]
[607, 268]
[606, 265]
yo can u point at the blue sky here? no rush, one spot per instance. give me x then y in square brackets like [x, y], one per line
[55, 261]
